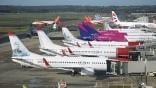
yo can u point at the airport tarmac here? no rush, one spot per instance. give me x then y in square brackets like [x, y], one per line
[13, 76]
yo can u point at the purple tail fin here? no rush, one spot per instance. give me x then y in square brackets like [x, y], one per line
[89, 27]
[84, 33]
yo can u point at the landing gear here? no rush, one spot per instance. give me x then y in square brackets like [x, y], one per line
[76, 71]
[22, 66]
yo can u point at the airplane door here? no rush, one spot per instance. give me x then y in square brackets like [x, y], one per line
[113, 68]
[108, 66]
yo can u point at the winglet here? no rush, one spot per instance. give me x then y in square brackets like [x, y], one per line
[63, 52]
[90, 44]
[45, 62]
[78, 44]
[69, 50]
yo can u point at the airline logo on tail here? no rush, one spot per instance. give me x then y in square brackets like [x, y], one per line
[115, 17]
[87, 31]
[18, 51]
[82, 28]
[84, 32]
[89, 28]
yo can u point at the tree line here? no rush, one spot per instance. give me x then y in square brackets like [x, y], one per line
[70, 8]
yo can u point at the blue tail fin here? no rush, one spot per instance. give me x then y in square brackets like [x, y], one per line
[84, 34]
[89, 27]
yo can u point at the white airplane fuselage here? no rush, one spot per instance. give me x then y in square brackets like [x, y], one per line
[105, 51]
[83, 65]
[131, 24]
[96, 63]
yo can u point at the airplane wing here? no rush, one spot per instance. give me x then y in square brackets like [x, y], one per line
[87, 71]
[83, 71]
[31, 64]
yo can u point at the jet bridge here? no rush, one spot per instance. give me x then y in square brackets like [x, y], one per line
[138, 67]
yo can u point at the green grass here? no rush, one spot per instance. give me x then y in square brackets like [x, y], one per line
[22, 21]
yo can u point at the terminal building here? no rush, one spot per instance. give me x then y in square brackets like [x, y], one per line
[138, 62]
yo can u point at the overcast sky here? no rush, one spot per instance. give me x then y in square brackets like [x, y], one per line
[78, 2]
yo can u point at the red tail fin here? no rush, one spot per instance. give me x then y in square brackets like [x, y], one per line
[89, 18]
[85, 18]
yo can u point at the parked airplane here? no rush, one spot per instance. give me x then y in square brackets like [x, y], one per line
[125, 30]
[82, 65]
[110, 31]
[97, 19]
[130, 32]
[47, 46]
[70, 40]
[88, 32]
[54, 23]
[129, 24]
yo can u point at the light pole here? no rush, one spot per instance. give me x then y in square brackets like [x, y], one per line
[145, 70]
